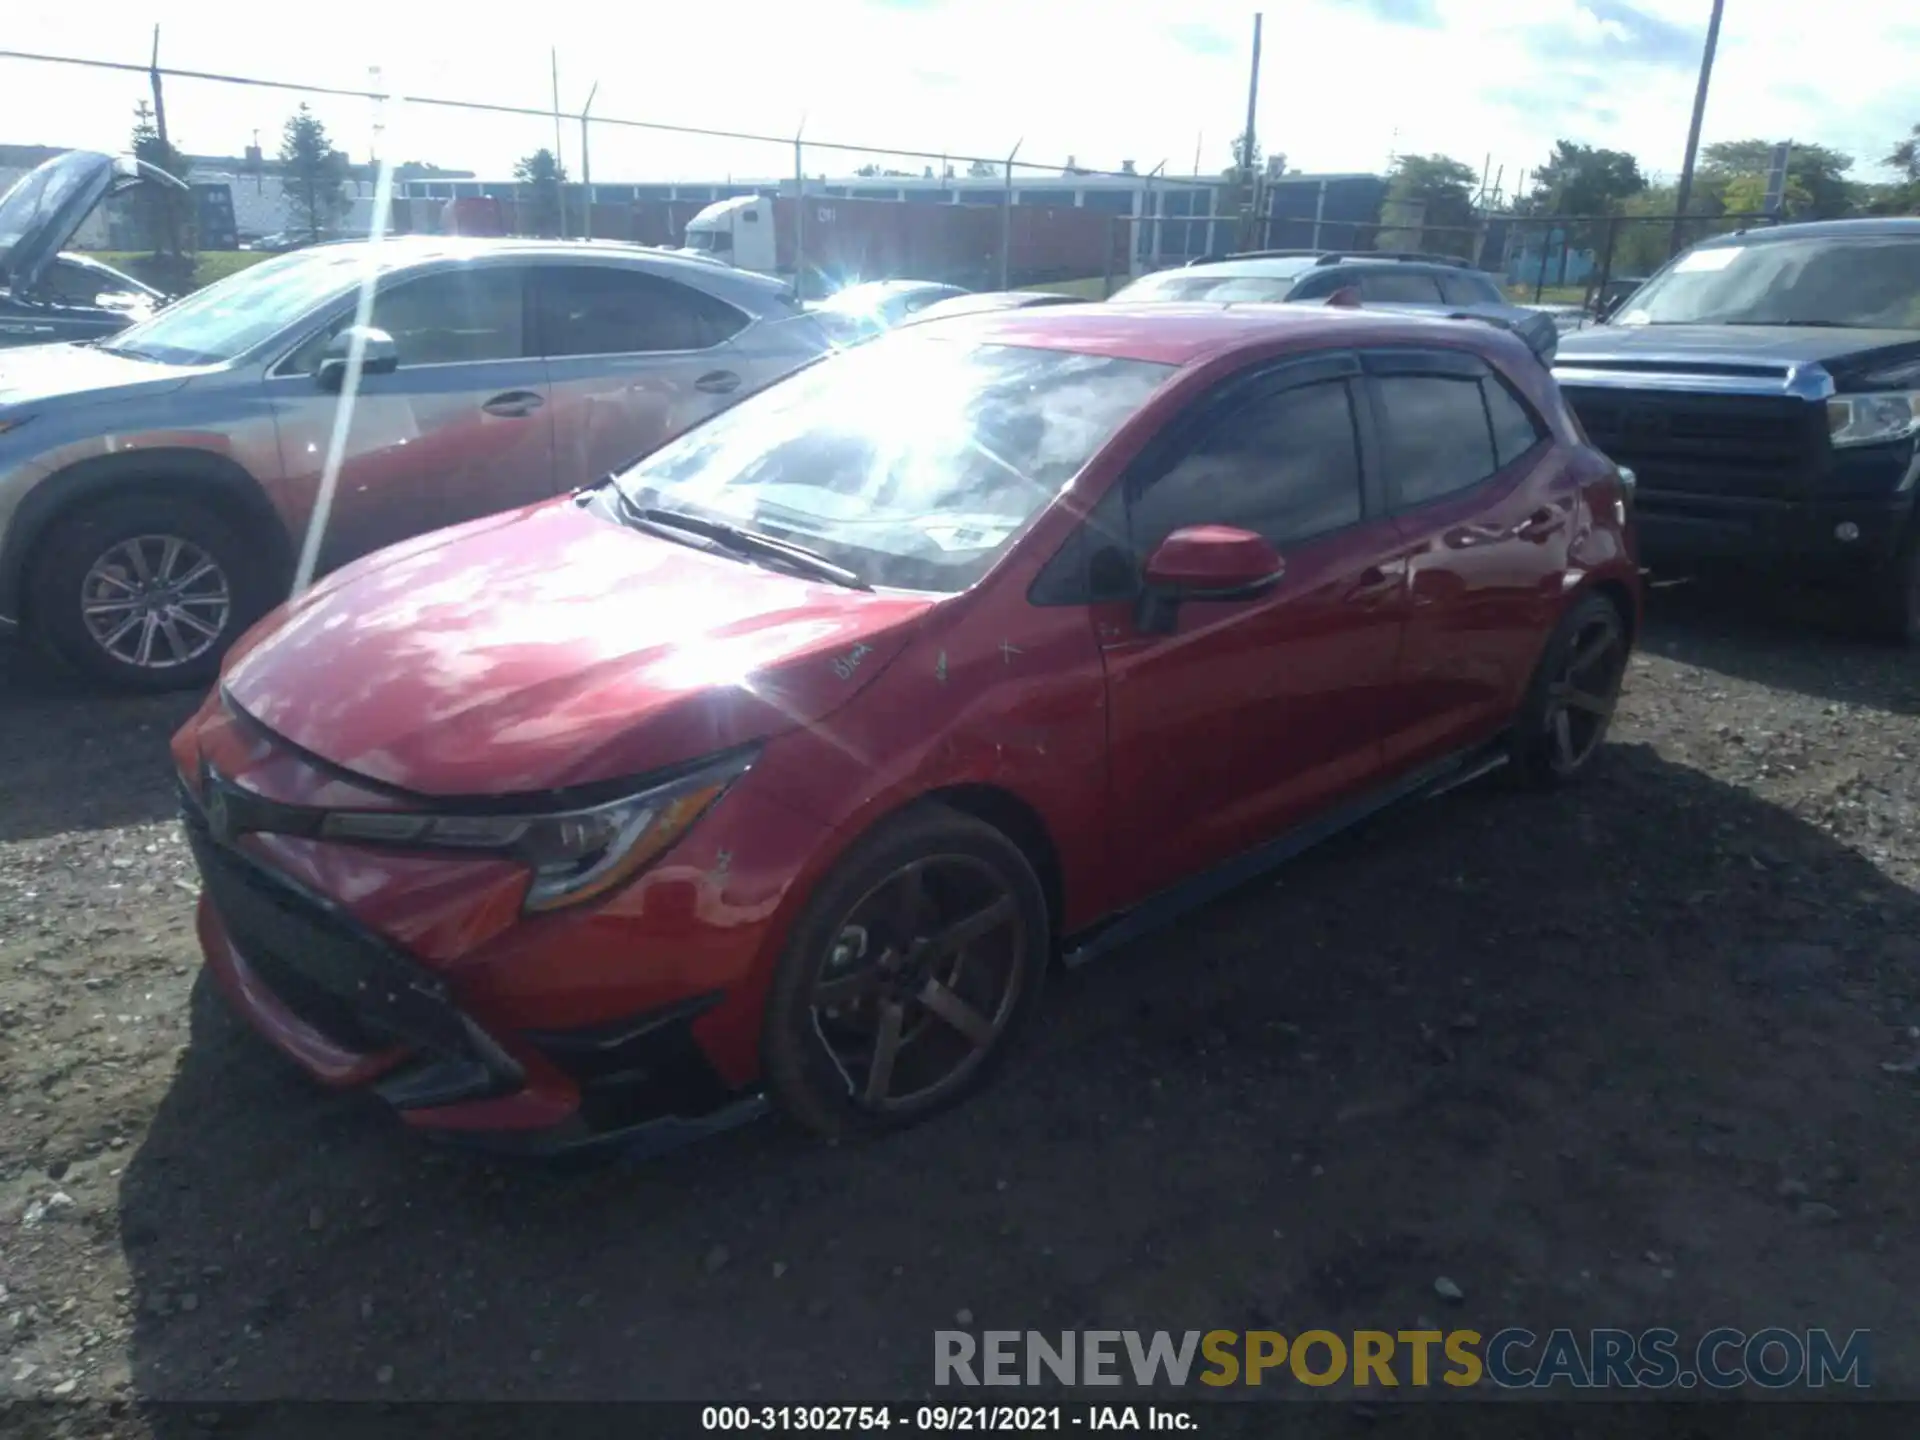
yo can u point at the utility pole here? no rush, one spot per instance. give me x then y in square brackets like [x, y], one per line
[586, 165]
[1246, 138]
[1685, 192]
[559, 177]
[169, 219]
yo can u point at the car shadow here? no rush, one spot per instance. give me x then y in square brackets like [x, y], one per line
[1793, 639]
[74, 757]
[1558, 1048]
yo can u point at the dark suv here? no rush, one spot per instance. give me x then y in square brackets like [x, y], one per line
[1765, 389]
[1390, 280]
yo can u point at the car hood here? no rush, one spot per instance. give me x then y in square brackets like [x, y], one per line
[549, 648]
[41, 211]
[31, 374]
[1690, 346]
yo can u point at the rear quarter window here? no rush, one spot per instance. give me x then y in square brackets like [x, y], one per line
[1471, 290]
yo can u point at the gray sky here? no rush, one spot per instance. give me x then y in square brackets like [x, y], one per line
[1345, 82]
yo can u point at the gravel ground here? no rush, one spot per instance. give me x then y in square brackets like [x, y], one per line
[1639, 1055]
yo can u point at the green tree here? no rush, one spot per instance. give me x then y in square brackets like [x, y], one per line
[166, 214]
[1582, 180]
[543, 175]
[313, 174]
[983, 170]
[1747, 195]
[1821, 173]
[1241, 160]
[1905, 156]
[1438, 190]
[1646, 226]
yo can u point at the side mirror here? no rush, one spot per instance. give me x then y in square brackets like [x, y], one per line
[380, 356]
[1206, 562]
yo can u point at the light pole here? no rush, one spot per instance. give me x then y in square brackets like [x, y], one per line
[1685, 192]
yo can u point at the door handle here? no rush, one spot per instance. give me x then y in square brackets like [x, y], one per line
[718, 382]
[1537, 526]
[512, 404]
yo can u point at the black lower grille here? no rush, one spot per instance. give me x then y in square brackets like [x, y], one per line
[345, 982]
[1749, 446]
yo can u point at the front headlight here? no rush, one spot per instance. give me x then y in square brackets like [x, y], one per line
[574, 854]
[1873, 419]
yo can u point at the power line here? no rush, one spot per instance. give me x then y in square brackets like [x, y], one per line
[532, 112]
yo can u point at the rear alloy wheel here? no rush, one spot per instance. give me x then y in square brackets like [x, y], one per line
[903, 985]
[146, 593]
[1570, 704]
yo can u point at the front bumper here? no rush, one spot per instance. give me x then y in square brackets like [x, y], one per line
[1820, 539]
[356, 1012]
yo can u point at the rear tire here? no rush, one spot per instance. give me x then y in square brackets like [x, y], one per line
[145, 593]
[1569, 705]
[929, 940]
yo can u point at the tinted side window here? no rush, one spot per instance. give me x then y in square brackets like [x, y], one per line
[454, 317]
[1467, 289]
[72, 284]
[1384, 286]
[1436, 434]
[1515, 431]
[1285, 465]
[1318, 284]
[601, 310]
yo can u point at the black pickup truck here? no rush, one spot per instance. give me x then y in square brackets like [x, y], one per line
[1764, 388]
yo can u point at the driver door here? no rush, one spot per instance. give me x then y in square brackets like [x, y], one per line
[1254, 715]
[461, 427]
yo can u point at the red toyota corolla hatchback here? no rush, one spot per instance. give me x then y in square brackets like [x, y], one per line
[782, 764]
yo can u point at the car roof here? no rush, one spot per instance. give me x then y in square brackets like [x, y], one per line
[1187, 332]
[1861, 229]
[1283, 266]
[875, 286]
[743, 287]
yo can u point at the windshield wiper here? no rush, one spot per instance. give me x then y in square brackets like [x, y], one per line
[133, 352]
[741, 541]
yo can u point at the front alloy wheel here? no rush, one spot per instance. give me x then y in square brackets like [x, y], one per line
[920, 981]
[902, 985]
[155, 602]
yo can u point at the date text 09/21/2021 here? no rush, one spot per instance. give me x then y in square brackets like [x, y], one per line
[944, 1419]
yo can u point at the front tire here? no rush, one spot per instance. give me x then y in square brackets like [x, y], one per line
[904, 984]
[145, 593]
[1569, 705]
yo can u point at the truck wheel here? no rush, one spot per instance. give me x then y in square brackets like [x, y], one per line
[1894, 606]
[146, 593]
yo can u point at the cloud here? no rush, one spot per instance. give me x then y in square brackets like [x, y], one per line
[1203, 39]
[1401, 12]
[1618, 31]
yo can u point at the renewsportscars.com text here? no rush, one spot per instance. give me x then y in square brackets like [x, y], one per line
[1512, 1358]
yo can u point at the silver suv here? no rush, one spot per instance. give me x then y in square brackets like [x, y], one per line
[155, 486]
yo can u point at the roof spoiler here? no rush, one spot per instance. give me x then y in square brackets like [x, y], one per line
[1536, 328]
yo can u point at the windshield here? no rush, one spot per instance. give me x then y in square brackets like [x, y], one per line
[233, 315]
[1867, 284]
[1269, 284]
[34, 197]
[914, 461]
[712, 242]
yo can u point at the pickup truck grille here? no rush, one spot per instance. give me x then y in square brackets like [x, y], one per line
[1744, 446]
